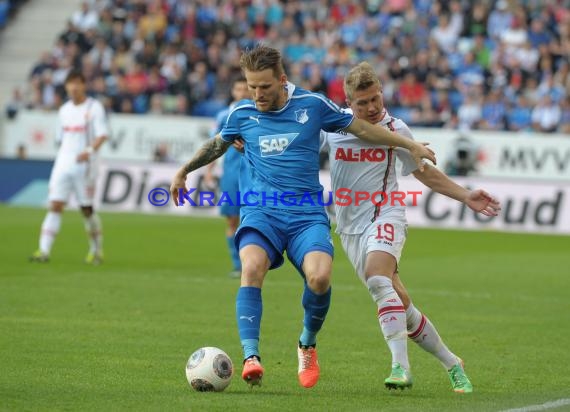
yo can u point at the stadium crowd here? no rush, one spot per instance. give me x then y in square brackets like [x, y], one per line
[488, 64]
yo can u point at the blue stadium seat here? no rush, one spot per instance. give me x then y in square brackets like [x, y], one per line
[401, 112]
[140, 104]
[208, 108]
[456, 99]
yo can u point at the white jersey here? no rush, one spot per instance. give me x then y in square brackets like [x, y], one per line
[359, 166]
[78, 127]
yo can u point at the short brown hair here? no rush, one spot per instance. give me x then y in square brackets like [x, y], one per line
[261, 58]
[75, 75]
[360, 77]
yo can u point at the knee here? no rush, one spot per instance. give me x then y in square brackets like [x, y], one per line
[253, 269]
[318, 278]
[57, 207]
[380, 287]
[87, 211]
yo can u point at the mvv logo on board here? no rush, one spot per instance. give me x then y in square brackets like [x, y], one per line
[275, 144]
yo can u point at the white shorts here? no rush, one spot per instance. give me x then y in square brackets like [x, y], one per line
[381, 235]
[63, 182]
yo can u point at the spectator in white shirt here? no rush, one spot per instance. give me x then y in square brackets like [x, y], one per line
[546, 116]
[444, 34]
[499, 20]
[470, 112]
[85, 19]
[101, 55]
[515, 36]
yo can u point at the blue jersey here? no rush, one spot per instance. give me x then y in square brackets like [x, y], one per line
[231, 161]
[281, 161]
[229, 180]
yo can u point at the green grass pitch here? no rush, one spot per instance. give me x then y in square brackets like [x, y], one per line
[117, 336]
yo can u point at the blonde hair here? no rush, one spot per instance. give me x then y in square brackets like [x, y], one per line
[261, 58]
[360, 77]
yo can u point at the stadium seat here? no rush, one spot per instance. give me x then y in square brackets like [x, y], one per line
[208, 108]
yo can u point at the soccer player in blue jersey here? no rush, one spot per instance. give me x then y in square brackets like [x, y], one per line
[229, 181]
[283, 208]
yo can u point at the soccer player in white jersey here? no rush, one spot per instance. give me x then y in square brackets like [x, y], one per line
[280, 168]
[373, 236]
[82, 129]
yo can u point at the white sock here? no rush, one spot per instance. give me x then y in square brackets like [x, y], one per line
[392, 317]
[50, 228]
[422, 331]
[94, 232]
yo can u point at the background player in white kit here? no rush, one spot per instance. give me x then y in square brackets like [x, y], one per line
[81, 131]
[373, 236]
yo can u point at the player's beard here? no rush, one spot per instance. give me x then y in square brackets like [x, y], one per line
[267, 105]
[271, 104]
[262, 105]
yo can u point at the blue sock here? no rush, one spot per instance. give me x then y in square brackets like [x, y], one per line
[234, 254]
[308, 337]
[249, 308]
[316, 308]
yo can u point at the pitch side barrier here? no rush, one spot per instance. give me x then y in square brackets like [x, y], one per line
[520, 155]
[527, 206]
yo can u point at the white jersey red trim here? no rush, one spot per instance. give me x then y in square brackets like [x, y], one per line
[360, 166]
[78, 126]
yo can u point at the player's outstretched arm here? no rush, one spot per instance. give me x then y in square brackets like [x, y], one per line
[482, 202]
[377, 134]
[477, 200]
[210, 151]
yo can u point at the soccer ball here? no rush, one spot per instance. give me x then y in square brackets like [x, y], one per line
[209, 369]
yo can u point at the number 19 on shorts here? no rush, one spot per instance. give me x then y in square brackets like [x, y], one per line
[385, 231]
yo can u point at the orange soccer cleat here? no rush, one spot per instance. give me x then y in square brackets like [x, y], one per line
[308, 366]
[252, 371]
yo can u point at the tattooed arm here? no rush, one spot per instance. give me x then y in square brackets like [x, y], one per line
[209, 152]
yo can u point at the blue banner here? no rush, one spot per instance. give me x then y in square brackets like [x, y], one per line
[24, 182]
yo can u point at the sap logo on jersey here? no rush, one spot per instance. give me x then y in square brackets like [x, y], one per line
[275, 144]
[360, 155]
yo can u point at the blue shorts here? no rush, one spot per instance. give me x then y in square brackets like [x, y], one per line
[279, 230]
[229, 183]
